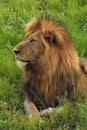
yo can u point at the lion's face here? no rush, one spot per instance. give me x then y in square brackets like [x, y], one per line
[29, 50]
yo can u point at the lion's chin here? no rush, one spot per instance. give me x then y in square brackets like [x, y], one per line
[21, 64]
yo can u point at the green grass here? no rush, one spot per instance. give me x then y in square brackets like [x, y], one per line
[13, 16]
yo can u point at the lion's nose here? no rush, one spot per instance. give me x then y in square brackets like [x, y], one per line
[16, 51]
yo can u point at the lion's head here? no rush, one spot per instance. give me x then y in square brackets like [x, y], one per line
[50, 60]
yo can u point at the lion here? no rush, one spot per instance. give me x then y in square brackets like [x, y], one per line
[50, 65]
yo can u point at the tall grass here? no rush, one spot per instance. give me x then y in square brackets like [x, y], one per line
[13, 16]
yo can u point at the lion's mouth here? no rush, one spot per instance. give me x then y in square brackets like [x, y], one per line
[26, 61]
[22, 63]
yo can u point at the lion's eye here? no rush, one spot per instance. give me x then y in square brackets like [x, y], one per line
[31, 41]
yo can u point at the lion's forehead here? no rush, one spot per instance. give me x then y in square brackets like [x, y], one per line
[33, 34]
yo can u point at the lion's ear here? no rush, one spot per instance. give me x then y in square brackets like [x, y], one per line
[51, 39]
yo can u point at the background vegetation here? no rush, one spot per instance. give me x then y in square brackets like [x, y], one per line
[13, 16]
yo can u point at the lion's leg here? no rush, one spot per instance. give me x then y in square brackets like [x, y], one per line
[48, 111]
[30, 108]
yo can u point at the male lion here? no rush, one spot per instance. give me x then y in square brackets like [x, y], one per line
[50, 64]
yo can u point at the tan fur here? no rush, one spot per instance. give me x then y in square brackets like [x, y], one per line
[52, 62]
